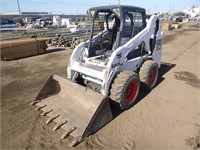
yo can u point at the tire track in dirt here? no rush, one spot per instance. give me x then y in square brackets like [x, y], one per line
[188, 77]
[194, 142]
[100, 142]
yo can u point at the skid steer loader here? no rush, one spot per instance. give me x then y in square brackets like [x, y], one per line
[122, 54]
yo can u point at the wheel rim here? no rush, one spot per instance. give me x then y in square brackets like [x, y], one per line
[131, 91]
[152, 76]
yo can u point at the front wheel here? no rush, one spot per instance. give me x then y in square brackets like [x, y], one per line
[125, 89]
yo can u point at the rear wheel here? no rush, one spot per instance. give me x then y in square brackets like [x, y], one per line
[148, 74]
[125, 89]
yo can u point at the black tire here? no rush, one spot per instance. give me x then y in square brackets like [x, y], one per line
[148, 75]
[125, 89]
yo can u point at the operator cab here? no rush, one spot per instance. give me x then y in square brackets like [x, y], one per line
[112, 27]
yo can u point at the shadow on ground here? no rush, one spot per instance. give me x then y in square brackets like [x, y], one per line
[53, 50]
[165, 67]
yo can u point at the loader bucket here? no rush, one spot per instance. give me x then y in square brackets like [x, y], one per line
[74, 108]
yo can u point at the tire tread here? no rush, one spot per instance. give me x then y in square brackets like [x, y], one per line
[118, 85]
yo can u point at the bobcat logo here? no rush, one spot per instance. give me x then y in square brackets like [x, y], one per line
[119, 56]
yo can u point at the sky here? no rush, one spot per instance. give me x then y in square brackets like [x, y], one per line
[81, 6]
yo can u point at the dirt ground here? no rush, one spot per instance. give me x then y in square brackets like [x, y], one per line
[167, 118]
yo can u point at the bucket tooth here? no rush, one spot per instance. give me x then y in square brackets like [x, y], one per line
[51, 119]
[34, 102]
[78, 110]
[46, 112]
[40, 107]
[75, 141]
[58, 125]
[67, 133]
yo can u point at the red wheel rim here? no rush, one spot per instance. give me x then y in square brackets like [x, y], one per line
[152, 76]
[131, 91]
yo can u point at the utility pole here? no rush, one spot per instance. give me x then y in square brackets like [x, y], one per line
[118, 2]
[18, 7]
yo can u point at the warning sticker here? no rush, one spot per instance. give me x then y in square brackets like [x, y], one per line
[159, 44]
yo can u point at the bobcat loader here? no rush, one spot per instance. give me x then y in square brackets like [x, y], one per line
[122, 54]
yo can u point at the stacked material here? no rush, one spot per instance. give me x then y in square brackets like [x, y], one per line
[22, 48]
[64, 41]
[59, 41]
[166, 26]
[31, 33]
[175, 25]
[76, 41]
